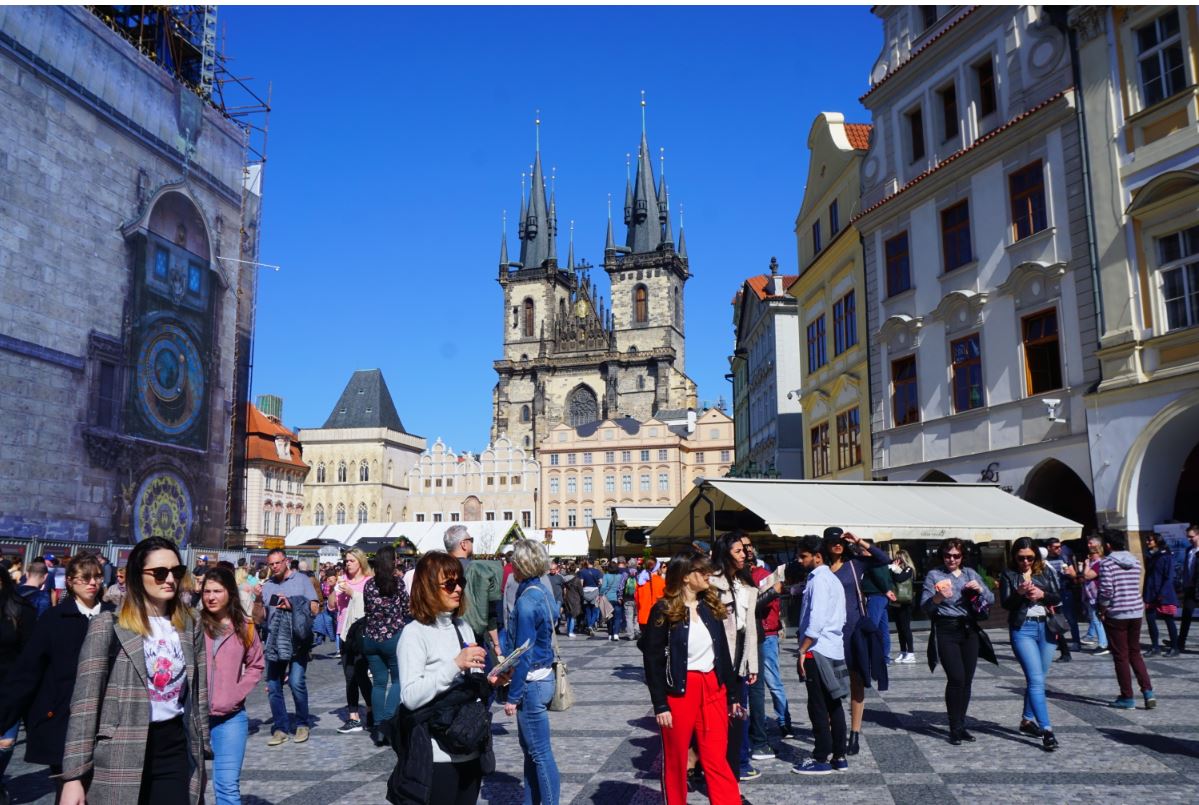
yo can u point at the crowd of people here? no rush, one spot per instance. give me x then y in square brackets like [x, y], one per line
[131, 682]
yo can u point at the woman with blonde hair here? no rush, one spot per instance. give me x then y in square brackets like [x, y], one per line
[351, 607]
[692, 682]
[903, 573]
[139, 713]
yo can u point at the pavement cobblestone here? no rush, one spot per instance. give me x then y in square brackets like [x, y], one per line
[608, 750]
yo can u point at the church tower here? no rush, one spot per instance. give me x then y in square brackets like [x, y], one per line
[567, 359]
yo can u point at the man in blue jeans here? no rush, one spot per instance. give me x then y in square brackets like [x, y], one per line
[285, 584]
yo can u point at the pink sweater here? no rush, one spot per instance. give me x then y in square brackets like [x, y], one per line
[233, 671]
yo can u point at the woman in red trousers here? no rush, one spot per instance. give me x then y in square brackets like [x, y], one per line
[689, 672]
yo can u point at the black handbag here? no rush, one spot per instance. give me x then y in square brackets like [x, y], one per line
[462, 723]
[1057, 623]
[354, 637]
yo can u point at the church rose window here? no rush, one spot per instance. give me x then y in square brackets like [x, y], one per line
[583, 406]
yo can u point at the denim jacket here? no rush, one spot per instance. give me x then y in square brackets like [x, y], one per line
[534, 617]
[1014, 601]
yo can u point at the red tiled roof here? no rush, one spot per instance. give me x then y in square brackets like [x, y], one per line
[761, 282]
[260, 439]
[912, 56]
[958, 154]
[859, 135]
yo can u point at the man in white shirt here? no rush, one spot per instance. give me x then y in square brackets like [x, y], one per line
[820, 623]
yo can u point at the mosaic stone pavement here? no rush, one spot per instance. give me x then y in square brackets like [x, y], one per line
[608, 751]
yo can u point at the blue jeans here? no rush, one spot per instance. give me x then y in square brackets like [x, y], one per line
[768, 656]
[1034, 650]
[617, 624]
[385, 665]
[6, 754]
[1095, 629]
[229, 735]
[541, 781]
[570, 624]
[294, 671]
[876, 610]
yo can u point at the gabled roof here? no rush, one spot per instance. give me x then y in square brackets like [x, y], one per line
[261, 433]
[365, 403]
[761, 283]
[859, 135]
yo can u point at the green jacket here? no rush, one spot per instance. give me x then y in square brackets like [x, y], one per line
[877, 580]
[484, 590]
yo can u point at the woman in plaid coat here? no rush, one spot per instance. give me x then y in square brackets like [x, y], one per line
[139, 715]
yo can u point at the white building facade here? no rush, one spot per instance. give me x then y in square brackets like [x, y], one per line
[981, 306]
[766, 337]
[499, 484]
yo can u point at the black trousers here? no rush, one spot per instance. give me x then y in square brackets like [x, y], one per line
[357, 679]
[827, 715]
[957, 651]
[456, 783]
[1188, 606]
[167, 770]
[902, 615]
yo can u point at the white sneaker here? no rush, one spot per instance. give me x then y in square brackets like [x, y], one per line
[908, 658]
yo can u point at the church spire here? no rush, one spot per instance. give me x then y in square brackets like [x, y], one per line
[504, 244]
[628, 191]
[553, 221]
[536, 246]
[610, 243]
[645, 232]
[682, 250]
[570, 252]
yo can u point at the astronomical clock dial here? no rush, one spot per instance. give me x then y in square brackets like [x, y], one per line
[169, 379]
[164, 508]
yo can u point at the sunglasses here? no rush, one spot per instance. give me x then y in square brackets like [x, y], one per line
[449, 585]
[953, 556]
[160, 573]
[1025, 558]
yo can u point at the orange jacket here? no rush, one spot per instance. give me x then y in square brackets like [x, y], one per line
[648, 595]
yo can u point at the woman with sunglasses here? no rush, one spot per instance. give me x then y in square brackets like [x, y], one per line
[139, 713]
[948, 596]
[436, 649]
[235, 663]
[1028, 589]
[41, 684]
[692, 683]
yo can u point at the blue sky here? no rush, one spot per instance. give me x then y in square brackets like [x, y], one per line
[398, 138]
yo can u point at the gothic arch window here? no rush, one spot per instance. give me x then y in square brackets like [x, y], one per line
[361, 512]
[562, 309]
[582, 406]
[678, 308]
[319, 517]
[341, 472]
[528, 318]
[341, 514]
[640, 304]
[390, 475]
[524, 413]
[320, 473]
[364, 473]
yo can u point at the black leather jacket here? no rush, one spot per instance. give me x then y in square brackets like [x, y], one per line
[665, 656]
[1016, 604]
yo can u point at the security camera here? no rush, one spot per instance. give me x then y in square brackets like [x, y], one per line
[1051, 406]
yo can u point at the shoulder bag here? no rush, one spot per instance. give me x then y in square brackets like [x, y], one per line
[563, 697]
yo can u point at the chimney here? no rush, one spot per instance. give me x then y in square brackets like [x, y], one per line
[776, 279]
[690, 420]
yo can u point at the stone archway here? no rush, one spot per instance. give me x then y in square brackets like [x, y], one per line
[1052, 485]
[472, 509]
[1154, 475]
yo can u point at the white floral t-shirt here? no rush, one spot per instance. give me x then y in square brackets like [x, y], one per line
[166, 670]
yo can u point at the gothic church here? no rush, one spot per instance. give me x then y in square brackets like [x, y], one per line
[567, 358]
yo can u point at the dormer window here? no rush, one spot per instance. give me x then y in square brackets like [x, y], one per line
[283, 447]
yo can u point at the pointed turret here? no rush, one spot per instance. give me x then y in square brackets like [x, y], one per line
[663, 204]
[570, 252]
[682, 247]
[504, 251]
[520, 222]
[628, 190]
[553, 224]
[536, 246]
[667, 234]
[645, 231]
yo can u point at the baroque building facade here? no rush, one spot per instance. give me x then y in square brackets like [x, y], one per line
[587, 469]
[766, 378]
[500, 483]
[125, 305]
[831, 295]
[360, 457]
[566, 357]
[981, 302]
[1139, 69]
[275, 474]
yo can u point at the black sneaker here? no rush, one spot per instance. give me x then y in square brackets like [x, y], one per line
[966, 736]
[352, 725]
[1030, 728]
[1048, 742]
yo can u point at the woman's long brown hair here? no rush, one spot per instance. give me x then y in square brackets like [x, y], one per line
[674, 600]
[212, 623]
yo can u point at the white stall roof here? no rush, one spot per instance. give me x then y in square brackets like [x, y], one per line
[640, 516]
[564, 541]
[301, 534]
[877, 510]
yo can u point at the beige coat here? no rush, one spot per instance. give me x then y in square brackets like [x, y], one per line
[741, 603]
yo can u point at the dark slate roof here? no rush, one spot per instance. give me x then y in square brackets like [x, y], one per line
[627, 424]
[365, 403]
[671, 414]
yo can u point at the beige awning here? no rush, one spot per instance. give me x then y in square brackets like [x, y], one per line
[876, 510]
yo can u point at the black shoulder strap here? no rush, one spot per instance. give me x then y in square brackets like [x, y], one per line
[114, 645]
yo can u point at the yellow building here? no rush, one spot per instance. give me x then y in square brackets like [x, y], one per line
[830, 290]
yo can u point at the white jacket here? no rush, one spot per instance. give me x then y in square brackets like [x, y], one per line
[741, 603]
